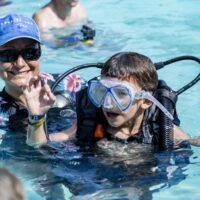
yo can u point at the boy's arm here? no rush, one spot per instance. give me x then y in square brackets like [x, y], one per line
[194, 141]
[67, 134]
[179, 134]
[36, 135]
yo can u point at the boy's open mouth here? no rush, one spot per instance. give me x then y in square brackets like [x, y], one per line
[112, 114]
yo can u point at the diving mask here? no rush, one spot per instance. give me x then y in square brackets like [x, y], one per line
[105, 92]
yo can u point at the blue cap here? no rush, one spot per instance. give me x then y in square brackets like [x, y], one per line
[15, 26]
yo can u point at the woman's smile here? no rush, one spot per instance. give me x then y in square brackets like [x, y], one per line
[18, 73]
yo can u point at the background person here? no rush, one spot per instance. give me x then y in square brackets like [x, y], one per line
[61, 14]
[10, 186]
[4, 2]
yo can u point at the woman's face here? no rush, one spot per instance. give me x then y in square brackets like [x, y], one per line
[19, 72]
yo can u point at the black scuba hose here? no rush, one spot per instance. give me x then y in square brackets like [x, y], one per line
[166, 128]
[160, 65]
[79, 67]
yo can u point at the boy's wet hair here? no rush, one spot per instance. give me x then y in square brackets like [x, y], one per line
[132, 66]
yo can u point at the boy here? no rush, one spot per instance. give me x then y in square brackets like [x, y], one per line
[123, 99]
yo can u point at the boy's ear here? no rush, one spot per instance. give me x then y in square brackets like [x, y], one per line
[146, 104]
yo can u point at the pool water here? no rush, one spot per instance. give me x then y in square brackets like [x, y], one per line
[158, 29]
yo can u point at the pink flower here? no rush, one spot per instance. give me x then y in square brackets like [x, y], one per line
[47, 77]
[72, 83]
[3, 120]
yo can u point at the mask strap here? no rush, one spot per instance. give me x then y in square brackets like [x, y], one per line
[147, 95]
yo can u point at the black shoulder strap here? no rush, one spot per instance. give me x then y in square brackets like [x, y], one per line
[165, 91]
[87, 116]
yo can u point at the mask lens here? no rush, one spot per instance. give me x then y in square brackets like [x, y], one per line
[122, 96]
[9, 55]
[97, 92]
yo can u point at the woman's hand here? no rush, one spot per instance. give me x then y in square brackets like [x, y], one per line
[39, 98]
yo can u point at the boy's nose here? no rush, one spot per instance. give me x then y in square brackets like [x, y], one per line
[108, 102]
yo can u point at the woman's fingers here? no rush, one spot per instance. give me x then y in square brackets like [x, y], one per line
[35, 83]
[50, 95]
[36, 91]
[33, 87]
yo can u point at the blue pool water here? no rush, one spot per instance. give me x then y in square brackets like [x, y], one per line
[158, 29]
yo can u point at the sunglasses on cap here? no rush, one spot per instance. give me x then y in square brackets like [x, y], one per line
[106, 92]
[11, 55]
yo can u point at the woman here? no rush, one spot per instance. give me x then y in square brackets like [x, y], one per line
[19, 54]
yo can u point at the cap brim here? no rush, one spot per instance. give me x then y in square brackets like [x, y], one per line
[18, 37]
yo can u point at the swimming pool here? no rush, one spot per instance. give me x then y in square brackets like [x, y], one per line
[160, 30]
